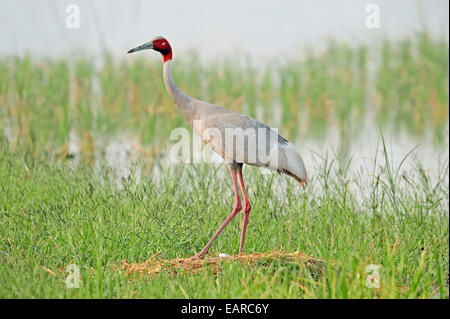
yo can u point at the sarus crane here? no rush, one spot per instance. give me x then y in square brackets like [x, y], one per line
[216, 124]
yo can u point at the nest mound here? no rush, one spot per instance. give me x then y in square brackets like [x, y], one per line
[154, 266]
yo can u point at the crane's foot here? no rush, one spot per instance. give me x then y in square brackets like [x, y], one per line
[196, 257]
[200, 255]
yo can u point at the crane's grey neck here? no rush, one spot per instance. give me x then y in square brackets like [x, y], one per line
[182, 100]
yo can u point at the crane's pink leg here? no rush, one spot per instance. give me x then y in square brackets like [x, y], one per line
[237, 208]
[247, 208]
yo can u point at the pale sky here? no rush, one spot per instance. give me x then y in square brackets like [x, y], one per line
[263, 28]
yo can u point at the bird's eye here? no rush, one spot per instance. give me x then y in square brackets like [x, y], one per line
[164, 43]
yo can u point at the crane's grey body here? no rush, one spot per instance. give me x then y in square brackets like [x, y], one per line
[206, 118]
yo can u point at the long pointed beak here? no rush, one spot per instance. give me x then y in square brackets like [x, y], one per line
[145, 46]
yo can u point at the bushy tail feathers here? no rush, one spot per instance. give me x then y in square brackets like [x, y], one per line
[292, 164]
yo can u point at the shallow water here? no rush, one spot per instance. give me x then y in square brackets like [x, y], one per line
[121, 156]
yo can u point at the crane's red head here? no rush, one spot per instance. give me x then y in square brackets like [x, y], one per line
[159, 44]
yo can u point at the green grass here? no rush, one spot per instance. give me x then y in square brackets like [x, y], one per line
[52, 216]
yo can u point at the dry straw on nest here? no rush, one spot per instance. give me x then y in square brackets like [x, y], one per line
[153, 266]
